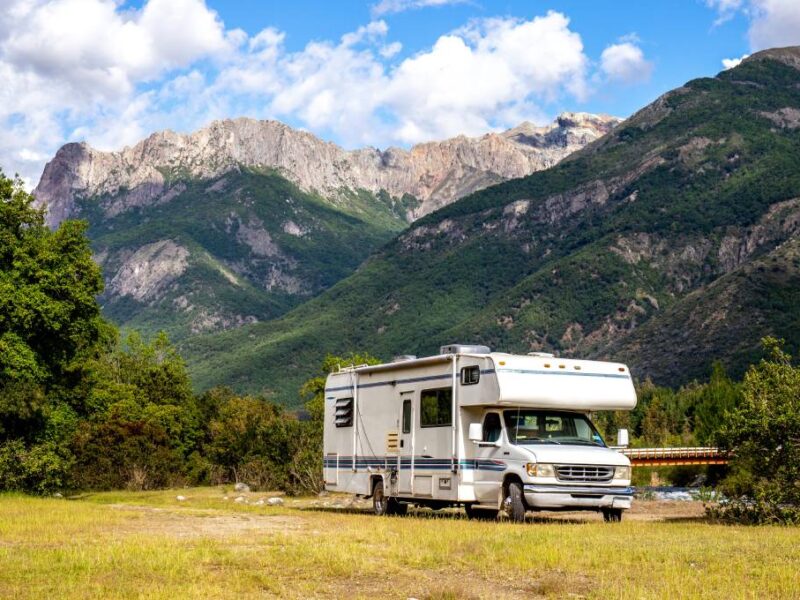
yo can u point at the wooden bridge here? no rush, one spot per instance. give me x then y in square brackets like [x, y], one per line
[655, 457]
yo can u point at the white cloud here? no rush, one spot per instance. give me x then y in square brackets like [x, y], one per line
[729, 63]
[726, 9]
[63, 62]
[625, 62]
[385, 7]
[471, 76]
[390, 50]
[773, 23]
[93, 70]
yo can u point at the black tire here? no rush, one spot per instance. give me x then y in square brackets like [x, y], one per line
[482, 514]
[397, 508]
[514, 503]
[612, 515]
[382, 505]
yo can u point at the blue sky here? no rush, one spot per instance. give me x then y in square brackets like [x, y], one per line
[678, 36]
[374, 72]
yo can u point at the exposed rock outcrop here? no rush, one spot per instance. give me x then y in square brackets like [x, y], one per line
[435, 173]
[149, 270]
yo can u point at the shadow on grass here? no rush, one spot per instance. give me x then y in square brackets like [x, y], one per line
[450, 514]
[443, 515]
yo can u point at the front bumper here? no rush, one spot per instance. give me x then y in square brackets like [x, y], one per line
[578, 497]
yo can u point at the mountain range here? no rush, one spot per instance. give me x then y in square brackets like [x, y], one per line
[668, 242]
[243, 220]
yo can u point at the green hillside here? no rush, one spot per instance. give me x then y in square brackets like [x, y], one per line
[247, 246]
[691, 193]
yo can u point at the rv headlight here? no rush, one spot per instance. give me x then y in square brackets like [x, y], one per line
[540, 470]
[622, 473]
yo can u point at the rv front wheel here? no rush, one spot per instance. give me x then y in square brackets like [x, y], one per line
[514, 503]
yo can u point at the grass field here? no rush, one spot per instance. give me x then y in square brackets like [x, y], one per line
[134, 545]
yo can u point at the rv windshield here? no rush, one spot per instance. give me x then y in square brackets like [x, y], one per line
[525, 426]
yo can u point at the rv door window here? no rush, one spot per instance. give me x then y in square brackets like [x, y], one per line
[436, 408]
[406, 416]
[470, 375]
[492, 427]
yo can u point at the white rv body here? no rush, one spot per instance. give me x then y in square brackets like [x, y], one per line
[375, 431]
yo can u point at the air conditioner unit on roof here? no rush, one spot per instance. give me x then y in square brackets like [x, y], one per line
[464, 349]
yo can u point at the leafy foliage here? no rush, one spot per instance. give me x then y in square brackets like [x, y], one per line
[142, 421]
[763, 433]
[49, 317]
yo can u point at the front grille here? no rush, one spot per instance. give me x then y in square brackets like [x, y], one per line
[584, 473]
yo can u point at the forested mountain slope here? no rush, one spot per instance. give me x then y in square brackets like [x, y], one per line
[687, 207]
[243, 220]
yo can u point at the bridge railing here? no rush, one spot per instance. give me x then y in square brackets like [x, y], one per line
[690, 455]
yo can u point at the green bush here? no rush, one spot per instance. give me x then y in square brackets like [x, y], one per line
[763, 435]
[40, 469]
[117, 454]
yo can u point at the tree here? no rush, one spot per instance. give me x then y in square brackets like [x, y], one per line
[763, 434]
[141, 422]
[50, 324]
[49, 316]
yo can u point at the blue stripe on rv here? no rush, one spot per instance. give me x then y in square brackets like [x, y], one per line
[346, 462]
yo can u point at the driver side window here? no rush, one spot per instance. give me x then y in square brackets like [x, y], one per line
[491, 427]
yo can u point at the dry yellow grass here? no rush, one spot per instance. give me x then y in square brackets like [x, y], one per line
[129, 545]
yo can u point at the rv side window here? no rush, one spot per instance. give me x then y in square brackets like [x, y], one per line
[406, 416]
[344, 412]
[436, 408]
[470, 375]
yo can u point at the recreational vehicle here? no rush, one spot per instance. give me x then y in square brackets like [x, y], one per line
[485, 430]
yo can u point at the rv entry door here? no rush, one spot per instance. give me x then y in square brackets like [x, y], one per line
[405, 455]
[487, 479]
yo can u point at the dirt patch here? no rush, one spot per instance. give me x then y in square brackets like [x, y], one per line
[641, 510]
[203, 523]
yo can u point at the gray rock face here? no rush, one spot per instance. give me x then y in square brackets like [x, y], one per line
[241, 487]
[149, 270]
[435, 173]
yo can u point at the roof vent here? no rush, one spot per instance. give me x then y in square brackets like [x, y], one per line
[404, 358]
[464, 349]
[541, 354]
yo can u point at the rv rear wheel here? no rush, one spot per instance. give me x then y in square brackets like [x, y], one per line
[379, 504]
[612, 515]
[397, 508]
[514, 503]
[386, 506]
[481, 514]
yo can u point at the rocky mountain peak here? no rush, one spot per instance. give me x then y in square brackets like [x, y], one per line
[789, 55]
[435, 173]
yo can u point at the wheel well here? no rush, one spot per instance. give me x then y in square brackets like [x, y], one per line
[509, 479]
[372, 481]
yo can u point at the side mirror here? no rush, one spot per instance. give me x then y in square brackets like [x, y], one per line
[476, 432]
[622, 438]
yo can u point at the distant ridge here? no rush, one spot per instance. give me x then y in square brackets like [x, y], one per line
[243, 220]
[434, 173]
